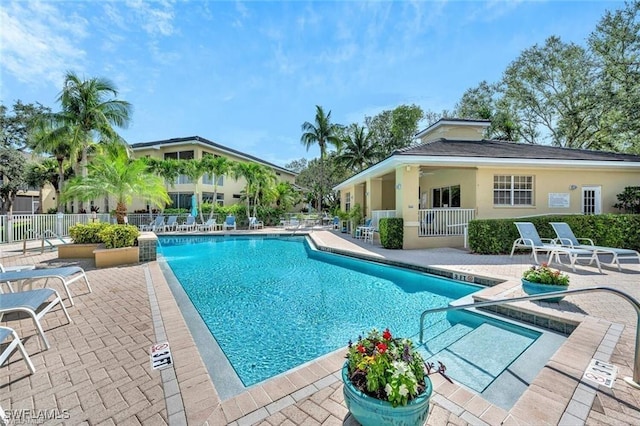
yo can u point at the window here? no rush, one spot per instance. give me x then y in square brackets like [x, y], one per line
[180, 200]
[207, 197]
[447, 196]
[347, 202]
[181, 155]
[512, 190]
[207, 179]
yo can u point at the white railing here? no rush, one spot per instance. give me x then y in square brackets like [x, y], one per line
[444, 222]
[376, 215]
[23, 227]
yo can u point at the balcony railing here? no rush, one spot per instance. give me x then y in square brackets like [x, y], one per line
[444, 222]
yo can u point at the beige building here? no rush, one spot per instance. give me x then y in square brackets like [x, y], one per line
[195, 147]
[455, 176]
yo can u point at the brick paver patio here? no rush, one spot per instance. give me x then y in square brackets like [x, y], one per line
[98, 369]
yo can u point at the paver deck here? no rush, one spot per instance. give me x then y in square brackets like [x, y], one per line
[98, 369]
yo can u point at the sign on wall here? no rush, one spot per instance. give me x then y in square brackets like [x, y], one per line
[558, 200]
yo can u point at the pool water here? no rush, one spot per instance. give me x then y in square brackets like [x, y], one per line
[273, 303]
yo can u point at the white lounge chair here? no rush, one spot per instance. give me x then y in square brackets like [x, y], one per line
[567, 238]
[189, 225]
[15, 343]
[156, 224]
[67, 275]
[209, 225]
[530, 239]
[34, 303]
[254, 223]
[229, 223]
[172, 223]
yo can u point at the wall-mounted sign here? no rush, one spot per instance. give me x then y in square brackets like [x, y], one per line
[558, 200]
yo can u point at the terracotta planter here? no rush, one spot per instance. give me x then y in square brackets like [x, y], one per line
[118, 256]
[76, 251]
[369, 411]
[537, 288]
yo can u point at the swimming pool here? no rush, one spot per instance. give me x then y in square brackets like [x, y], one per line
[273, 303]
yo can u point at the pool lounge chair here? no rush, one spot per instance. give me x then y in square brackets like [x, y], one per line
[530, 239]
[34, 303]
[189, 225]
[171, 224]
[15, 343]
[254, 223]
[229, 223]
[156, 225]
[67, 275]
[567, 238]
[209, 225]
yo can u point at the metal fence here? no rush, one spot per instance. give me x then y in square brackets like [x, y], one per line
[27, 227]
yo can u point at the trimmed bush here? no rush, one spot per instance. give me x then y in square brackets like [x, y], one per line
[391, 232]
[496, 236]
[88, 233]
[117, 236]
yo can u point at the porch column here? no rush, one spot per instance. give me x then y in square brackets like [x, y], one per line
[374, 199]
[408, 202]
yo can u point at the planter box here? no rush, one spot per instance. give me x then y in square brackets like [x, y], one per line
[76, 251]
[118, 256]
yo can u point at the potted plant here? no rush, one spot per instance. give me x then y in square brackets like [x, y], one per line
[542, 279]
[385, 381]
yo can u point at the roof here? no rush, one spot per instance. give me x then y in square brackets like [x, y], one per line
[207, 142]
[506, 149]
[454, 122]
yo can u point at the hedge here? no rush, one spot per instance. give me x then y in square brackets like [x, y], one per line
[391, 232]
[496, 236]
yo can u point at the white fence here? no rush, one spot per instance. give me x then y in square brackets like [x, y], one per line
[376, 215]
[23, 227]
[444, 222]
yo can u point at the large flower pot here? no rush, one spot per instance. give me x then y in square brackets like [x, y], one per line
[538, 288]
[369, 411]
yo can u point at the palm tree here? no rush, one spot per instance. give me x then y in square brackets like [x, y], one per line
[359, 150]
[38, 174]
[323, 132]
[89, 112]
[194, 169]
[265, 179]
[284, 195]
[112, 173]
[216, 167]
[248, 171]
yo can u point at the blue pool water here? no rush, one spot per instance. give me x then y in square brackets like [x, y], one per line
[273, 303]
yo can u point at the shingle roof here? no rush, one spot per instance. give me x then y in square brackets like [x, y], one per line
[141, 145]
[505, 149]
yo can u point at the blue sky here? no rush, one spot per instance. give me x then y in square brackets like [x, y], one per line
[248, 74]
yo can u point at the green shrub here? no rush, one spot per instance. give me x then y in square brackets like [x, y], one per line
[496, 236]
[116, 236]
[88, 233]
[175, 211]
[391, 232]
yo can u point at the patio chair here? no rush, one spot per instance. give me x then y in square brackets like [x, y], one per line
[254, 223]
[14, 344]
[155, 224]
[530, 239]
[34, 303]
[336, 222]
[172, 223]
[209, 225]
[360, 230]
[567, 238]
[67, 275]
[229, 223]
[189, 225]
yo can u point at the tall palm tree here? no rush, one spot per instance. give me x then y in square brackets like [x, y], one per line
[194, 169]
[265, 179]
[323, 132]
[284, 195]
[89, 112]
[113, 173]
[248, 171]
[359, 149]
[216, 167]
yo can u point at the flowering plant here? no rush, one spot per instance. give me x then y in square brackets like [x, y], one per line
[544, 275]
[386, 368]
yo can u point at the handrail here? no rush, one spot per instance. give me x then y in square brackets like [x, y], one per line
[49, 233]
[634, 381]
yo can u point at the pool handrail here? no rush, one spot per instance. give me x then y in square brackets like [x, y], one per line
[632, 381]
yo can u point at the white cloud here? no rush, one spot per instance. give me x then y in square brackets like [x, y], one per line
[39, 43]
[156, 18]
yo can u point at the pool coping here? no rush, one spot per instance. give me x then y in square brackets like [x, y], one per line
[546, 399]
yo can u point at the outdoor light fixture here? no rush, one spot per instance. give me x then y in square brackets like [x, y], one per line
[572, 187]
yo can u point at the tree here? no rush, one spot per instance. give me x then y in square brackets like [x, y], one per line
[552, 88]
[285, 196]
[15, 129]
[297, 165]
[313, 183]
[194, 169]
[484, 102]
[113, 173]
[358, 151]
[12, 168]
[216, 167]
[615, 44]
[394, 129]
[323, 132]
[90, 110]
